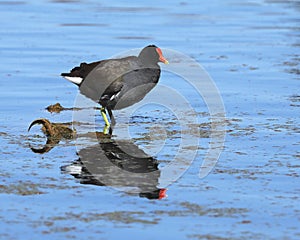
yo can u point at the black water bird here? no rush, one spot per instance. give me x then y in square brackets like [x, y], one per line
[118, 83]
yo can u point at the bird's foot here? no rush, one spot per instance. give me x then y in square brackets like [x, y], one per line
[106, 130]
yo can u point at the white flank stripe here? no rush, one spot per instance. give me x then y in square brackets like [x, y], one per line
[76, 80]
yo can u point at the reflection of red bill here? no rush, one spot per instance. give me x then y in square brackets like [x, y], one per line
[162, 193]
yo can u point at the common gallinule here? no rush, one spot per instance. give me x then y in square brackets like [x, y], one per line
[118, 83]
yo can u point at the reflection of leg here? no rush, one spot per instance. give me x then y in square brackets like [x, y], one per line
[103, 113]
[111, 116]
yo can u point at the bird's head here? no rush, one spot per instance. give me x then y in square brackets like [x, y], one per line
[152, 54]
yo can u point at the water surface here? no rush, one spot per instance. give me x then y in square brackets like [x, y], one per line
[249, 48]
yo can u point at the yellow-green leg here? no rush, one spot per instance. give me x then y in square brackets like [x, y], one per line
[107, 124]
[103, 113]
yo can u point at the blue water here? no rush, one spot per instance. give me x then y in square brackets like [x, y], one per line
[251, 51]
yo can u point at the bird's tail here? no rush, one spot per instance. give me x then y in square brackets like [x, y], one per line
[75, 80]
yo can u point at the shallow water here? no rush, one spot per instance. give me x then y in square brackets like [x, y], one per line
[251, 51]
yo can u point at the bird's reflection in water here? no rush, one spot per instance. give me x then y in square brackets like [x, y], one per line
[92, 168]
[119, 164]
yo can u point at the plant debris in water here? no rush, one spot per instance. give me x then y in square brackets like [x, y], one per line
[56, 108]
[54, 132]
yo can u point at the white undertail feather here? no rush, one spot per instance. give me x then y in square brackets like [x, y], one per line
[76, 80]
[73, 169]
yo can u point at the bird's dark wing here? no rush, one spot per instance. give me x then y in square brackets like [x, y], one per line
[136, 85]
[103, 75]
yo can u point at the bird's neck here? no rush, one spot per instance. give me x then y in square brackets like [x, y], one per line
[148, 63]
